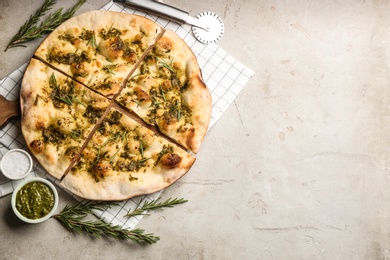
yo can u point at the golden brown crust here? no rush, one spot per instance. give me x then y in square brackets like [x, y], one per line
[170, 160]
[121, 158]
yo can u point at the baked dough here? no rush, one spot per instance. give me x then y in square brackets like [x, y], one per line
[99, 48]
[58, 114]
[124, 159]
[167, 90]
[79, 93]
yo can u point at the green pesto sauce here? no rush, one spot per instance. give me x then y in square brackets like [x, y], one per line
[34, 200]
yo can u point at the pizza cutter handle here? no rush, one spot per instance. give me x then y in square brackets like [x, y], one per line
[159, 8]
[8, 109]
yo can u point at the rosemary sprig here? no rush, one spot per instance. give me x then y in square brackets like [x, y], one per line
[115, 154]
[29, 25]
[156, 103]
[31, 30]
[66, 99]
[178, 115]
[143, 160]
[79, 102]
[108, 68]
[141, 148]
[155, 205]
[72, 218]
[136, 101]
[82, 209]
[75, 134]
[93, 42]
[136, 75]
[113, 138]
[168, 66]
[53, 81]
[162, 93]
[124, 138]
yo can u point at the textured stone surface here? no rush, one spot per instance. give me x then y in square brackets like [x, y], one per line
[298, 167]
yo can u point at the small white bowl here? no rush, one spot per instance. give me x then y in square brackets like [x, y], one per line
[16, 164]
[39, 220]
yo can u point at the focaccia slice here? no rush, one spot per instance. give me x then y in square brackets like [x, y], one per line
[167, 90]
[57, 115]
[124, 159]
[99, 48]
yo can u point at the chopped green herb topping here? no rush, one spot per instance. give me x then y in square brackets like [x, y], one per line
[67, 37]
[75, 134]
[111, 33]
[108, 68]
[52, 135]
[89, 36]
[93, 114]
[68, 58]
[61, 93]
[113, 118]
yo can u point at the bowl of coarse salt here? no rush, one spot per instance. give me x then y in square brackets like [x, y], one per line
[16, 164]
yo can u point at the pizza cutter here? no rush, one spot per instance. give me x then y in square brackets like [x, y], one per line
[207, 27]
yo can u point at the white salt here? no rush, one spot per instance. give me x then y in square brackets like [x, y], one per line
[16, 164]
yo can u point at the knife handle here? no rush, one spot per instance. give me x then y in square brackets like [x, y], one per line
[8, 110]
[159, 8]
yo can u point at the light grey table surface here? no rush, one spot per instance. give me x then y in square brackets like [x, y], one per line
[298, 166]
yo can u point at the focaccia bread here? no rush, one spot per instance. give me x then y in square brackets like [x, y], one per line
[58, 114]
[114, 106]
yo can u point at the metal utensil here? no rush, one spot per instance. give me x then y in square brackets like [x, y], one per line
[207, 27]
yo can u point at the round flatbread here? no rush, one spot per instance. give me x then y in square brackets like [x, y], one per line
[113, 105]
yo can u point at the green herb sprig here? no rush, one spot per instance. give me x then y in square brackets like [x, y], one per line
[109, 68]
[72, 218]
[168, 66]
[115, 154]
[75, 134]
[155, 205]
[31, 30]
[79, 102]
[66, 99]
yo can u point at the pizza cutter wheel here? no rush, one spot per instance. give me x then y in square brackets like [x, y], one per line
[207, 27]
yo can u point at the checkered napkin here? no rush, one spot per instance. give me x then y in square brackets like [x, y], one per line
[223, 74]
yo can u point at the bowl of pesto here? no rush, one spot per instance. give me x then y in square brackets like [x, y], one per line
[34, 200]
